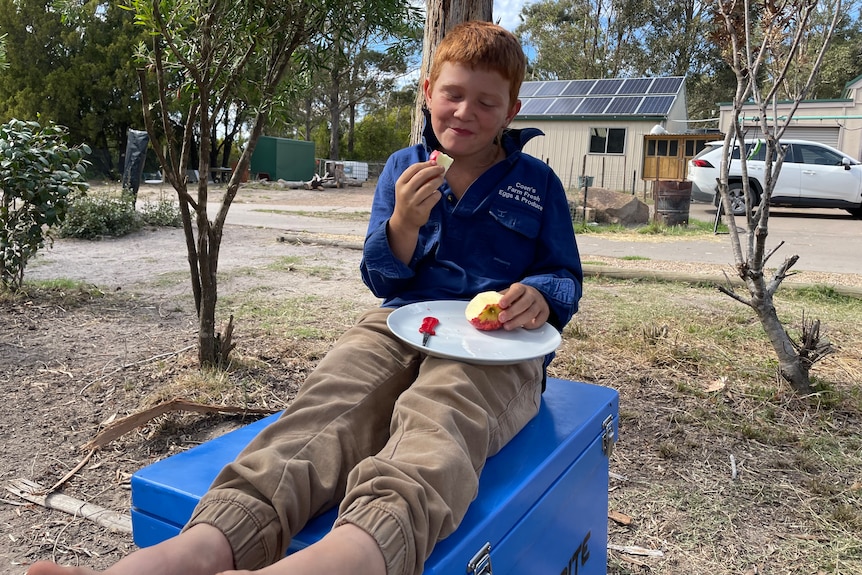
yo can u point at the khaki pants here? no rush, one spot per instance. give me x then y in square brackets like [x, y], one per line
[398, 437]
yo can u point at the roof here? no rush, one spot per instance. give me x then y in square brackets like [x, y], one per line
[609, 97]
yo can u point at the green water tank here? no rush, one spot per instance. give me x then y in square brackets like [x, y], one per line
[283, 159]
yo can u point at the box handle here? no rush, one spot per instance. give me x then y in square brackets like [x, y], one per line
[480, 564]
[608, 435]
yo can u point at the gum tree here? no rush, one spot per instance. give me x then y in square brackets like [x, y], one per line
[440, 17]
[202, 57]
[765, 44]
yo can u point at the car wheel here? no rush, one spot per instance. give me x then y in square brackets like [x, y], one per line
[737, 199]
[856, 212]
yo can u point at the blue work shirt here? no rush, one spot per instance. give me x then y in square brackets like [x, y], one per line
[511, 225]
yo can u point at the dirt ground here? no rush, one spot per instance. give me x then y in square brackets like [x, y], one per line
[71, 363]
[68, 365]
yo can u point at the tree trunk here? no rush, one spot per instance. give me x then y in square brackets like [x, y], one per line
[334, 112]
[308, 111]
[790, 364]
[351, 129]
[441, 16]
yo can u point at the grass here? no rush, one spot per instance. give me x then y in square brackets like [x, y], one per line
[351, 216]
[698, 385]
[693, 229]
[698, 390]
[59, 291]
[796, 505]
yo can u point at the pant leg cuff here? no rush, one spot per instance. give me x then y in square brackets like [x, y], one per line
[387, 528]
[254, 544]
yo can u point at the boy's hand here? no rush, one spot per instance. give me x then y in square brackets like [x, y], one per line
[416, 194]
[523, 306]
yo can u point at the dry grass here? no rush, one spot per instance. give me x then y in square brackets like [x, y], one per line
[698, 386]
[699, 396]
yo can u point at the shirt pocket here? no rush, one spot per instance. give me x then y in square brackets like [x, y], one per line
[510, 237]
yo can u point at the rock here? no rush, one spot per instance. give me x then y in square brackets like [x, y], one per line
[612, 207]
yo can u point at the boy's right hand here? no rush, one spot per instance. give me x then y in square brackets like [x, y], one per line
[416, 193]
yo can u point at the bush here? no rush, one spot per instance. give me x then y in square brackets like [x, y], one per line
[163, 213]
[100, 215]
[40, 175]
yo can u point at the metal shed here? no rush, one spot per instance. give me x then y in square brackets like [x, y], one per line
[597, 127]
[283, 159]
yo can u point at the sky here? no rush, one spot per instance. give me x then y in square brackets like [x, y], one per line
[506, 11]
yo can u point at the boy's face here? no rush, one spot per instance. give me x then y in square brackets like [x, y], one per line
[469, 108]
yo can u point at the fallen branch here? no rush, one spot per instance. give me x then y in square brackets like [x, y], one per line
[305, 239]
[636, 550]
[620, 518]
[130, 422]
[74, 470]
[35, 493]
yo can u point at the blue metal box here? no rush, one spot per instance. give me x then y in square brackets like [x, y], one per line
[542, 504]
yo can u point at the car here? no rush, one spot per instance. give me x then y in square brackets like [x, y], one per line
[813, 175]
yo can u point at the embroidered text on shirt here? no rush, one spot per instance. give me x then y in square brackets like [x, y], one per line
[524, 194]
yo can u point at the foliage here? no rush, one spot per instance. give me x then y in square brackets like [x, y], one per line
[608, 38]
[357, 71]
[603, 38]
[162, 213]
[75, 71]
[380, 133]
[111, 214]
[40, 175]
[99, 215]
[195, 70]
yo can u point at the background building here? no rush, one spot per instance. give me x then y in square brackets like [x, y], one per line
[597, 127]
[837, 123]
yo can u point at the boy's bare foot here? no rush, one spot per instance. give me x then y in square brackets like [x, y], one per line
[202, 550]
[346, 550]
[48, 568]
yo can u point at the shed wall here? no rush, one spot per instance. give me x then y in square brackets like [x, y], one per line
[565, 147]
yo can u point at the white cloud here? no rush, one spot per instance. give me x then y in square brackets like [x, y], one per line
[507, 11]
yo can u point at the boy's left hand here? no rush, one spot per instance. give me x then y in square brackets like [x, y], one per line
[523, 306]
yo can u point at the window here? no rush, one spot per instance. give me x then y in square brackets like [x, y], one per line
[662, 148]
[607, 140]
[694, 147]
[810, 154]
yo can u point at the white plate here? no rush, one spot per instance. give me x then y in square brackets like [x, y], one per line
[455, 338]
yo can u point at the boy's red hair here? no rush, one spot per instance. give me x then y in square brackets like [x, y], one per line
[485, 46]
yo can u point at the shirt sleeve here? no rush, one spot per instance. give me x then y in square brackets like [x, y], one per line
[382, 272]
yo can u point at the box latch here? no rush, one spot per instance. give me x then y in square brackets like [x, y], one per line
[608, 435]
[480, 564]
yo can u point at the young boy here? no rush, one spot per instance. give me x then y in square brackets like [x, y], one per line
[399, 437]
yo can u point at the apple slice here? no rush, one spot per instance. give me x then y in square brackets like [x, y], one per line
[442, 159]
[483, 311]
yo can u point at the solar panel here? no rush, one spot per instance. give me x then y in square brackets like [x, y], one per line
[622, 97]
[656, 105]
[665, 85]
[553, 88]
[635, 86]
[623, 105]
[564, 106]
[593, 105]
[528, 89]
[578, 87]
[606, 87]
[535, 106]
